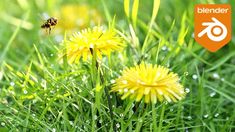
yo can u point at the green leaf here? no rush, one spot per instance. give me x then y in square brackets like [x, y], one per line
[135, 12]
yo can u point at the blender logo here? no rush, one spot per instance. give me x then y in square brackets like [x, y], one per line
[212, 25]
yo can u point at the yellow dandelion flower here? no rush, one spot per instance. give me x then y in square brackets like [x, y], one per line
[151, 82]
[102, 42]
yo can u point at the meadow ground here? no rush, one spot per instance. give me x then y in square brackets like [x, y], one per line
[40, 91]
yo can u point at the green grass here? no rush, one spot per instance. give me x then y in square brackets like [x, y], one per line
[39, 93]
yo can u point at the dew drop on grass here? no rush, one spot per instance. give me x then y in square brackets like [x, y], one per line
[186, 130]
[212, 94]
[25, 91]
[52, 91]
[189, 117]
[164, 48]
[216, 115]
[95, 117]
[71, 123]
[206, 116]
[12, 84]
[112, 81]
[194, 76]
[53, 130]
[3, 123]
[121, 115]
[100, 121]
[187, 90]
[216, 76]
[222, 79]
[33, 115]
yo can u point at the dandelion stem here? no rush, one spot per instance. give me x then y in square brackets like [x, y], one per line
[154, 117]
[105, 89]
[161, 117]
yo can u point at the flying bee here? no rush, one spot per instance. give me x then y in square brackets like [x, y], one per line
[49, 23]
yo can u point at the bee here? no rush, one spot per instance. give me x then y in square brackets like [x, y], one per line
[49, 23]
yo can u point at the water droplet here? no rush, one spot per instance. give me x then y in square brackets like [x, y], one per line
[51, 55]
[3, 123]
[12, 84]
[95, 117]
[71, 123]
[52, 91]
[33, 115]
[121, 115]
[216, 115]
[53, 130]
[112, 81]
[164, 48]
[187, 90]
[186, 130]
[216, 76]
[206, 116]
[100, 121]
[189, 117]
[118, 125]
[194, 76]
[111, 96]
[222, 79]
[212, 94]
[25, 91]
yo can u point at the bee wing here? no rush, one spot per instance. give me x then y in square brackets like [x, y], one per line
[44, 16]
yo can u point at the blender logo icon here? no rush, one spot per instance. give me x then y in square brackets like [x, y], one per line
[212, 25]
